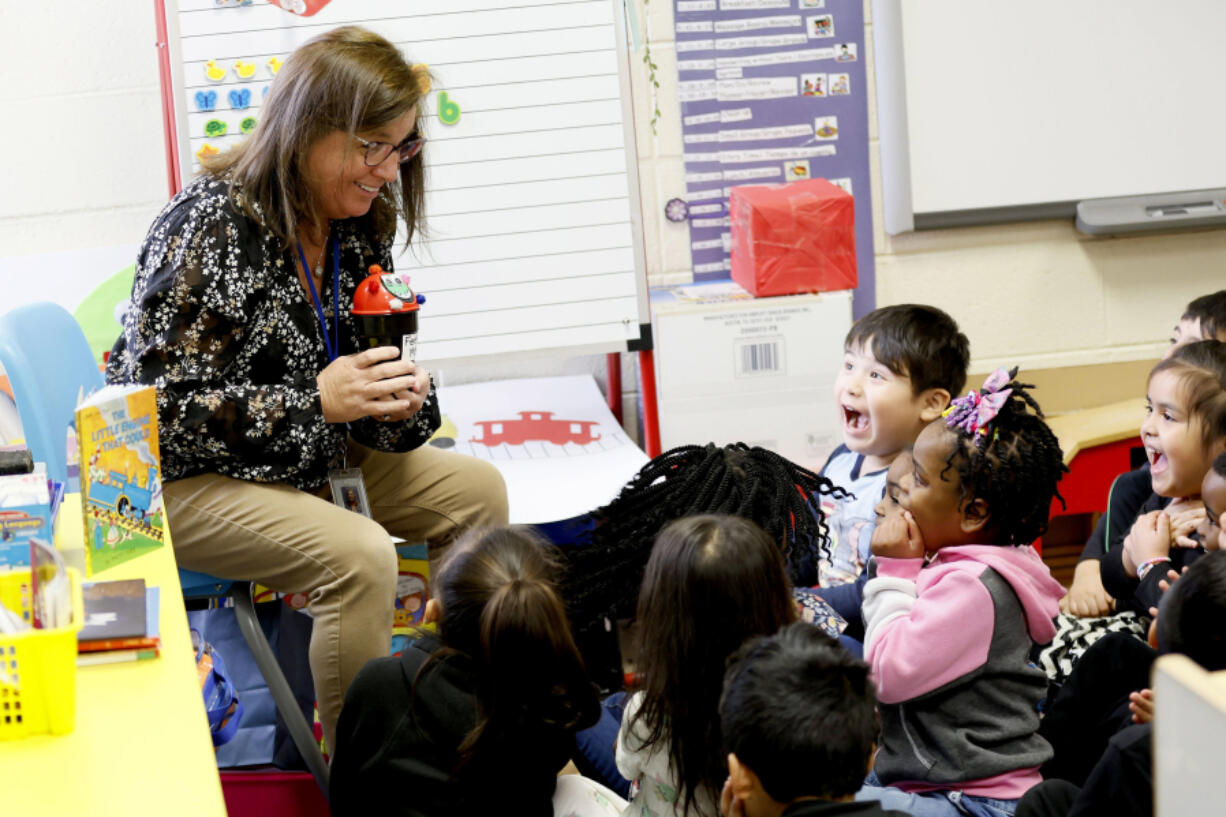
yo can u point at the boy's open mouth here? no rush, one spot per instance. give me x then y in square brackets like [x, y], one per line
[1157, 461]
[854, 420]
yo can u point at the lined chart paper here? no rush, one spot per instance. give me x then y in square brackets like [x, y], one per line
[534, 238]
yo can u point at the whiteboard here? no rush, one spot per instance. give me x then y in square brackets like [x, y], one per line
[999, 111]
[534, 235]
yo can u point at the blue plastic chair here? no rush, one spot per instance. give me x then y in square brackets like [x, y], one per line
[51, 367]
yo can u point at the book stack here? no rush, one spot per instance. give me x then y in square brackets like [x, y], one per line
[121, 623]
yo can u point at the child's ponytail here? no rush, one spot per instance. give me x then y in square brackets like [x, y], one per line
[501, 609]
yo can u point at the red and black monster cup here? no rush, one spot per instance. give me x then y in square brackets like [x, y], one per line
[386, 309]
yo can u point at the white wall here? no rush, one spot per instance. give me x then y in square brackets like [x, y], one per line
[1038, 295]
[84, 161]
[84, 166]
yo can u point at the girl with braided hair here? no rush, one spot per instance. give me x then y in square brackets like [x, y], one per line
[604, 572]
[736, 479]
[958, 601]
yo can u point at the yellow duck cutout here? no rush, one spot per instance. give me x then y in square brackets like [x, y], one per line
[274, 65]
[213, 73]
[244, 70]
[421, 73]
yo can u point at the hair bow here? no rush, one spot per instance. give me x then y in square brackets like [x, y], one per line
[975, 412]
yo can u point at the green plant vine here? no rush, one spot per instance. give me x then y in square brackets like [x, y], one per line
[651, 73]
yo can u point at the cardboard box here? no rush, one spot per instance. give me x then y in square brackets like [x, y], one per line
[733, 368]
[792, 238]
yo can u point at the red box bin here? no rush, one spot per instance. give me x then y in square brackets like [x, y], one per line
[792, 238]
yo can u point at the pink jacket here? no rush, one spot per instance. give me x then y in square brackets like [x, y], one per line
[949, 645]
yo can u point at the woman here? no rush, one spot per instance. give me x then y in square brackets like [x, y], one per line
[261, 390]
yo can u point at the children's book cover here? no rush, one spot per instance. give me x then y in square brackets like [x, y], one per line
[121, 486]
[412, 588]
[113, 610]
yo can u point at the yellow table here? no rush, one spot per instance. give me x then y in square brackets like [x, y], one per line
[141, 743]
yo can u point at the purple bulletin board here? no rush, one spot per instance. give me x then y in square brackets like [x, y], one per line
[772, 91]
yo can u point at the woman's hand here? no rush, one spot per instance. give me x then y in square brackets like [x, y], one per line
[1087, 598]
[366, 384]
[898, 538]
[415, 396]
[1150, 538]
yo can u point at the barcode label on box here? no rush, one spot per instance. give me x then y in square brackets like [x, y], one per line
[761, 357]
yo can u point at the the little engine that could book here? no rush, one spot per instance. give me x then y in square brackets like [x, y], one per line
[121, 485]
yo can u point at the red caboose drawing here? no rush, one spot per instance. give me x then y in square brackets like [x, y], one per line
[535, 425]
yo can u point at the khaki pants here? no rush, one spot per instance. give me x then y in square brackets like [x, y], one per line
[297, 542]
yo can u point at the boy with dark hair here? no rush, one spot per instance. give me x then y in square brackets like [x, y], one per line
[799, 722]
[1204, 319]
[901, 367]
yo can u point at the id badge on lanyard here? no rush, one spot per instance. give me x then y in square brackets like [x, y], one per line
[348, 487]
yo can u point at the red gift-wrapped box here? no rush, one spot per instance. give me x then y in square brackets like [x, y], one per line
[790, 238]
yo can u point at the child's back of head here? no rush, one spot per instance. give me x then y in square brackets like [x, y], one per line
[800, 712]
[746, 481]
[1204, 319]
[711, 582]
[457, 722]
[1192, 618]
[500, 608]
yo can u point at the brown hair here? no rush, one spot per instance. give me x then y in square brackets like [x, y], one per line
[711, 582]
[1201, 369]
[1210, 310]
[500, 608]
[348, 79]
[916, 341]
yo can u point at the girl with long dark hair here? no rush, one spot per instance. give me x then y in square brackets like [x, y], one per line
[711, 582]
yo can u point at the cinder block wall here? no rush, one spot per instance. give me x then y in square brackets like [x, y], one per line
[1038, 295]
[84, 167]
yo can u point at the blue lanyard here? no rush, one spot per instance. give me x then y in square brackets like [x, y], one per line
[333, 344]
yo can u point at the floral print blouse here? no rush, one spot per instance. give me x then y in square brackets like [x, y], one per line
[221, 325]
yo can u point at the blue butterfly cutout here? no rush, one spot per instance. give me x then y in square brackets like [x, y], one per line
[206, 100]
[240, 100]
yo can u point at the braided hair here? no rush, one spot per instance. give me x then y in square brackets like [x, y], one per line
[1014, 467]
[603, 577]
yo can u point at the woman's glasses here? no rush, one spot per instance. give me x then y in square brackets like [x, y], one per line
[377, 152]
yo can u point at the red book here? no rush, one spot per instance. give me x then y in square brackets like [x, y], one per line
[136, 643]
